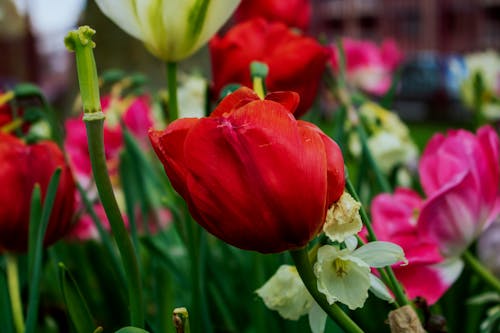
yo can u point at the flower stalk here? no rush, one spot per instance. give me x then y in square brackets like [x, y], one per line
[80, 41]
[14, 293]
[481, 271]
[303, 265]
[173, 105]
[386, 273]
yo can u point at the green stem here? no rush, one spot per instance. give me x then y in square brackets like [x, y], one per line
[386, 273]
[173, 107]
[301, 260]
[15, 297]
[381, 179]
[104, 187]
[81, 42]
[480, 270]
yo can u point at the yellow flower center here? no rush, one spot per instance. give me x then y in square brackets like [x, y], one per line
[341, 267]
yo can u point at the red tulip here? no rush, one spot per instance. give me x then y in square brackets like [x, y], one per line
[296, 63]
[252, 174]
[21, 167]
[294, 13]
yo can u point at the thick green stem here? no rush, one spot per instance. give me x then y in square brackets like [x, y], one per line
[105, 189]
[173, 106]
[14, 292]
[81, 42]
[482, 271]
[301, 260]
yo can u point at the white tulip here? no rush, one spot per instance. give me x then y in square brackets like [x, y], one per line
[171, 30]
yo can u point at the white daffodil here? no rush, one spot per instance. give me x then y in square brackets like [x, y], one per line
[486, 66]
[344, 274]
[389, 141]
[171, 30]
[342, 219]
[286, 293]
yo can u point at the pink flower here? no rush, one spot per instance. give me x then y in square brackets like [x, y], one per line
[460, 175]
[135, 114]
[427, 274]
[85, 229]
[368, 66]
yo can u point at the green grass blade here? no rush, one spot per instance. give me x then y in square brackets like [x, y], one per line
[35, 252]
[75, 302]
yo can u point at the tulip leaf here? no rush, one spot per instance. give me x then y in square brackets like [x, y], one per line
[130, 329]
[77, 307]
[39, 219]
[5, 308]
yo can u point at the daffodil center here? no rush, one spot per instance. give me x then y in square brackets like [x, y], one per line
[341, 267]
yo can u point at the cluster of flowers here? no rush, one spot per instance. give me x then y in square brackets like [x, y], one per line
[257, 177]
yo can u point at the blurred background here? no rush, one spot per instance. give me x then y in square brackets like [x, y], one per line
[433, 35]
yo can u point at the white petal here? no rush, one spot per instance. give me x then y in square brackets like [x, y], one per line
[123, 13]
[379, 289]
[218, 13]
[342, 277]
[285, 293]
[342, 219]
[449, 270]
[351, 243]
[317, 319]
[380, 254]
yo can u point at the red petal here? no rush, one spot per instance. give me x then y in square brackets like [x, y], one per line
[234, 100]
[335, 164]
[169, 146]
[288, 99]
[256, 179]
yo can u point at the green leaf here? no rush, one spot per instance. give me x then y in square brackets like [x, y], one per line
[130, 329]
[38, 226]
[5, 309]
[75, 302]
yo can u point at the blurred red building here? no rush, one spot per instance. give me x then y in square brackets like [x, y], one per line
[418, 25]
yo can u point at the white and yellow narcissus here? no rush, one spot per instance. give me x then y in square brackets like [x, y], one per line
[344, 274]
[170, 29]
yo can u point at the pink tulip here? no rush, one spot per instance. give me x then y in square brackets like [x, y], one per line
[85, 229]
[460, 175]
[427, 274]
[369, 67]
[137, 118]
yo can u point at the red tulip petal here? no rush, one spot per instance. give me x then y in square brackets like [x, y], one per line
[335, 164]
[289, 99]
[169, 146]
[270, 174]
[23, 166]
[233, 101]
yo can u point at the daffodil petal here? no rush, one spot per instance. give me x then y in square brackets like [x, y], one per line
[342, 277]
[379, 289]
[317, 319]
[351, 243]
[286, 293]
[380, 254]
